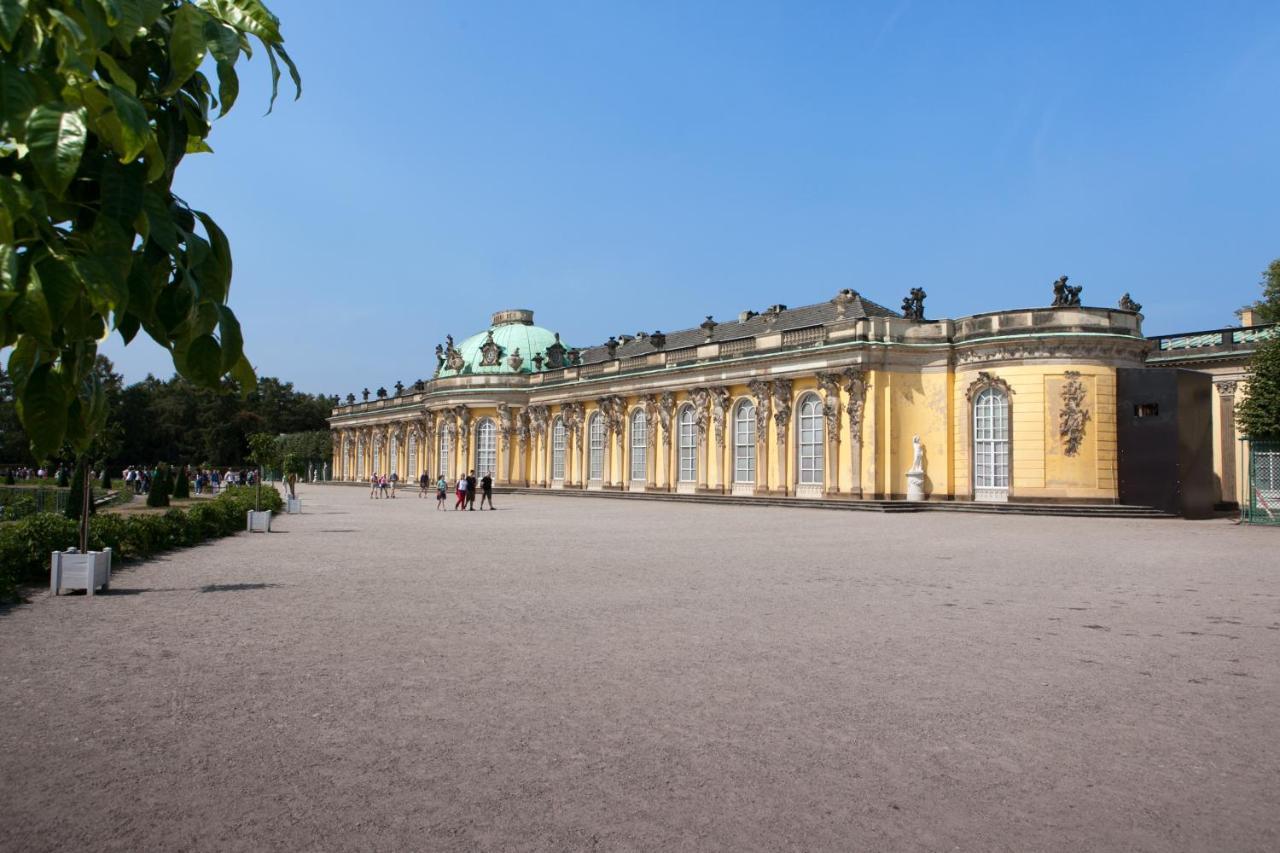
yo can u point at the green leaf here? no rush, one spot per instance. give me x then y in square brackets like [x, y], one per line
[12, 13]
[56, 136]
[248, 15]
[204, 361]
[58, 283]
[173, 308]
[228, 86]
[17, 97]
[221, 250]
[244, 376]
[68, 24]
[42, 407]
[160, 227]
[121, 191]
[8, 275]
[133, 121]
[232, 340]
[186, 46]
[117, 74]
[32, 313]
[128, 325]
[275, 78]
[112, 10]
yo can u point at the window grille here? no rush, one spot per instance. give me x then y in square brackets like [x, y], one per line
[557, 450]
[486, 448]
[595, 449]
[811, 441]
[639, 444]
[688, 446]
[744, 443]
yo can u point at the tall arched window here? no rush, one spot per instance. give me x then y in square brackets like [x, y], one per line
[688, 446]
[446, 449]
[991, 445]
[377, 458]
[744, 443]
[486, 447]
[393, 456]
[557, 449]
[811, 441]
[413, 455]
[639, 444]
[346, 459]
[360, 459]
[595, 447]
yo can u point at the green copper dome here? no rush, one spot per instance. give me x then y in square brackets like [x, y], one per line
[507, 346]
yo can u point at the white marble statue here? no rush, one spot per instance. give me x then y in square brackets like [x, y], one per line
[915, 476]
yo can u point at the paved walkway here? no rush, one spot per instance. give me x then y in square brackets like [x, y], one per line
[573, 675]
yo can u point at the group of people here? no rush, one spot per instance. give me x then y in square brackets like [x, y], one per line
[382, 486]
[205, 481]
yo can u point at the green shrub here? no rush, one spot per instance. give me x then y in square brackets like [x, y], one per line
[61, 479]
[106, 477]
[8, 477]
[182, 488]
[159, 494]
[25, 545]
[75, 497]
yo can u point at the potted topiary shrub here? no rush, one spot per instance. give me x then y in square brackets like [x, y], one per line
[80, 568]
[293, 466]
[262, 448]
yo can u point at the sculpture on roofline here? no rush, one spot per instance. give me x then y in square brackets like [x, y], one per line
[913, 304]
[1127, 304]
[1066, 295]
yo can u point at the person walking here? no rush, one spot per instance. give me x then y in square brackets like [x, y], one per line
[462, 492]
[383, 485]
[442, 486]
[395, 479]
[471, 491]
[422, 485]
[486, 491]
[373, 485]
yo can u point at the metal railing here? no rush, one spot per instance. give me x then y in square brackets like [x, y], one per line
[1263, 484]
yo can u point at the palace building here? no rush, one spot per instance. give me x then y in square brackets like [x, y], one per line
[843, 399]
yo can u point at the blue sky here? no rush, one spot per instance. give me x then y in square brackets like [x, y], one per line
[626, 166]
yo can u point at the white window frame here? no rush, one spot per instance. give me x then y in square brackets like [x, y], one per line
[413, 455]
[595, 447]
[991, 444]
[639, 445]
[744, 443]
[811, 442]
[393, 456]
[486, 447]
[558, 441]
[687, 445]
[445, 449]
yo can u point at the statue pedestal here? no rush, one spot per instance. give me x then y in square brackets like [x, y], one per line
[915, 485]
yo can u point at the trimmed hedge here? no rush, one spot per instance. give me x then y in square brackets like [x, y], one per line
[25, 545]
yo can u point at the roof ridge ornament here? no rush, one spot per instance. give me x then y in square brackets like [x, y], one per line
[1066, 295]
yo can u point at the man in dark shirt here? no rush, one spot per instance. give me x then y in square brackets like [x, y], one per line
[471, 491]
[486, 491]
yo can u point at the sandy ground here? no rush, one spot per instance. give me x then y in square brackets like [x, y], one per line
[583, 674]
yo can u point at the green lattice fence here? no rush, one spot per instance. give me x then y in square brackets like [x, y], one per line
[1263, 506]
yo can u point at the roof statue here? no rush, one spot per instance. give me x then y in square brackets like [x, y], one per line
[913, 304]
[1066, 295]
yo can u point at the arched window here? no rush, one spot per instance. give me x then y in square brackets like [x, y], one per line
[346, 458]
[557, 449]
[639, 444]
[595, 447]
[360, 459]
[688, 446]
[486, 447]
[413, 455]
[446, 449]
[377, 458]
[393, 456]
[744, 443]
[991, 444]
[811, 441]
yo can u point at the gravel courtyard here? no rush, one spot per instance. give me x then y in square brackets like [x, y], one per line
[576, 674]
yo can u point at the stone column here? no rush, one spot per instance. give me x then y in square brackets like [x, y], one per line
[782, 423]
[666, 409]
[430, 446]
[621, 425]
[605, 405]
[855, 385]
[701, 421]
[762, 392]
[1227, 439]
[503, 474]
[830, 385]
[651, 441]
[721, 400]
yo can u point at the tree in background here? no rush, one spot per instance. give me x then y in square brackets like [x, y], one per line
[263, 452]
[1258, 414]
[1267, 309]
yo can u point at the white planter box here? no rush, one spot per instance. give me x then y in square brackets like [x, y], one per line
[259, 522]
[293, 506]
[73, 570]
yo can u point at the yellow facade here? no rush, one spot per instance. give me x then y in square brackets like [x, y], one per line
[830, 410]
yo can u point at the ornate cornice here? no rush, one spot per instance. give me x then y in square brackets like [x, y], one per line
[983, 381]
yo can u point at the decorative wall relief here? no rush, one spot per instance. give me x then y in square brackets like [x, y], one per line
[762, 391]
[782, 408]
[1073, 416]
[721, 400]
